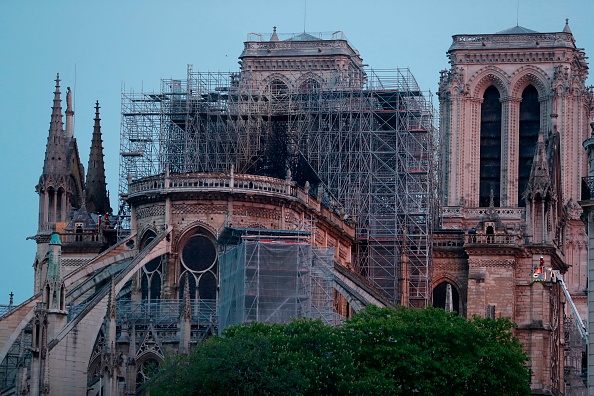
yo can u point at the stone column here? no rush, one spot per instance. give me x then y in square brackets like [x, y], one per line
[510, 109]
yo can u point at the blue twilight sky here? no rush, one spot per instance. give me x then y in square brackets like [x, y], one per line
[99, 47]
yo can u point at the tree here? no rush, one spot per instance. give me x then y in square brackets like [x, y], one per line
[378, 351]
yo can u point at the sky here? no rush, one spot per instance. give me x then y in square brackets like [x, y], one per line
[102, 48]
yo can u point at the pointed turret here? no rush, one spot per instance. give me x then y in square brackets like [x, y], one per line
[54, 295]
[274, 36]
[540, 178]
[69, 115]
[54, 180]
[566, 29]
[55, 151]
[97, 199]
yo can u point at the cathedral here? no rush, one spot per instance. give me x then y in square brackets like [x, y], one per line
[309, 185]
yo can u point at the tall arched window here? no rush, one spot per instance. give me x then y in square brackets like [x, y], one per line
[151, 273]
[278, 88]
[528, 137]
[490, 148]
[309, 86]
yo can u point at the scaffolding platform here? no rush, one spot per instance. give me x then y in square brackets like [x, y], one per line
[368, 146]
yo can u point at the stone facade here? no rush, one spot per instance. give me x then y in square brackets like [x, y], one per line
[514, 111]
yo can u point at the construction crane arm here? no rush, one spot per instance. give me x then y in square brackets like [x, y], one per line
[576, 315]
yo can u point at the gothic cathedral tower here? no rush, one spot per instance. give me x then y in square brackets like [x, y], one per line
[67, 205]
[514, 111]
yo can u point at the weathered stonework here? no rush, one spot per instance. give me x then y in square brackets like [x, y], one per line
[492, 269]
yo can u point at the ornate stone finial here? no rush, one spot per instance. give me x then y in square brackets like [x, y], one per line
[566, 29]
[307, 187]
[491, 199]
[274, 36]
[11, 301]
[95, 184]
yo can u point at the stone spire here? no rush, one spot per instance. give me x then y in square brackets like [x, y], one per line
[274, 36]
[97, 199]
[566, 29]
[540, 179]
[54, 285]
[69, 115]
[55, 151]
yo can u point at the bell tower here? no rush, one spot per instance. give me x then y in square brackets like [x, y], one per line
[514, 111]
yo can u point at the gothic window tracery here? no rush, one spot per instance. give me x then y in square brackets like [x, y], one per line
[528, 137]
[199, 266]
[309, 86]
[490, 148]
[151, 275]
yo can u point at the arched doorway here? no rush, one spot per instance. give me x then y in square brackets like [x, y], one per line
[439, 297]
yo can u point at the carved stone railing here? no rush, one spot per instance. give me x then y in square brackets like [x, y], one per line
[508, 40]
[212, 182]
[492, 239]
[503, 213]
[448, 241]
[239, 183]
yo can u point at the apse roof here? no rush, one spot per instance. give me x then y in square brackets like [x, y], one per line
[303, 37]
[517, 30]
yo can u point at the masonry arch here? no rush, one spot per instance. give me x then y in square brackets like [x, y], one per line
[530, 75]
[439, 295]
[146, 366]
[276, 84]
[308, 83]
[482, 79]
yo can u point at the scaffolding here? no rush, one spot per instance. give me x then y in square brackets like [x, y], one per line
[362, 139]
[275, 282]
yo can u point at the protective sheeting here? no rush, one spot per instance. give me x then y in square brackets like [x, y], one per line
[264, 281]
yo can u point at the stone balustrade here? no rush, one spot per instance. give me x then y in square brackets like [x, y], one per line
[492, 239]
[544, 40]
[213, 182]
[239, 183]
[503, 213]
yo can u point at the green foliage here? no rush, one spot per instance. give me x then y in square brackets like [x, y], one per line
[378, 351]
